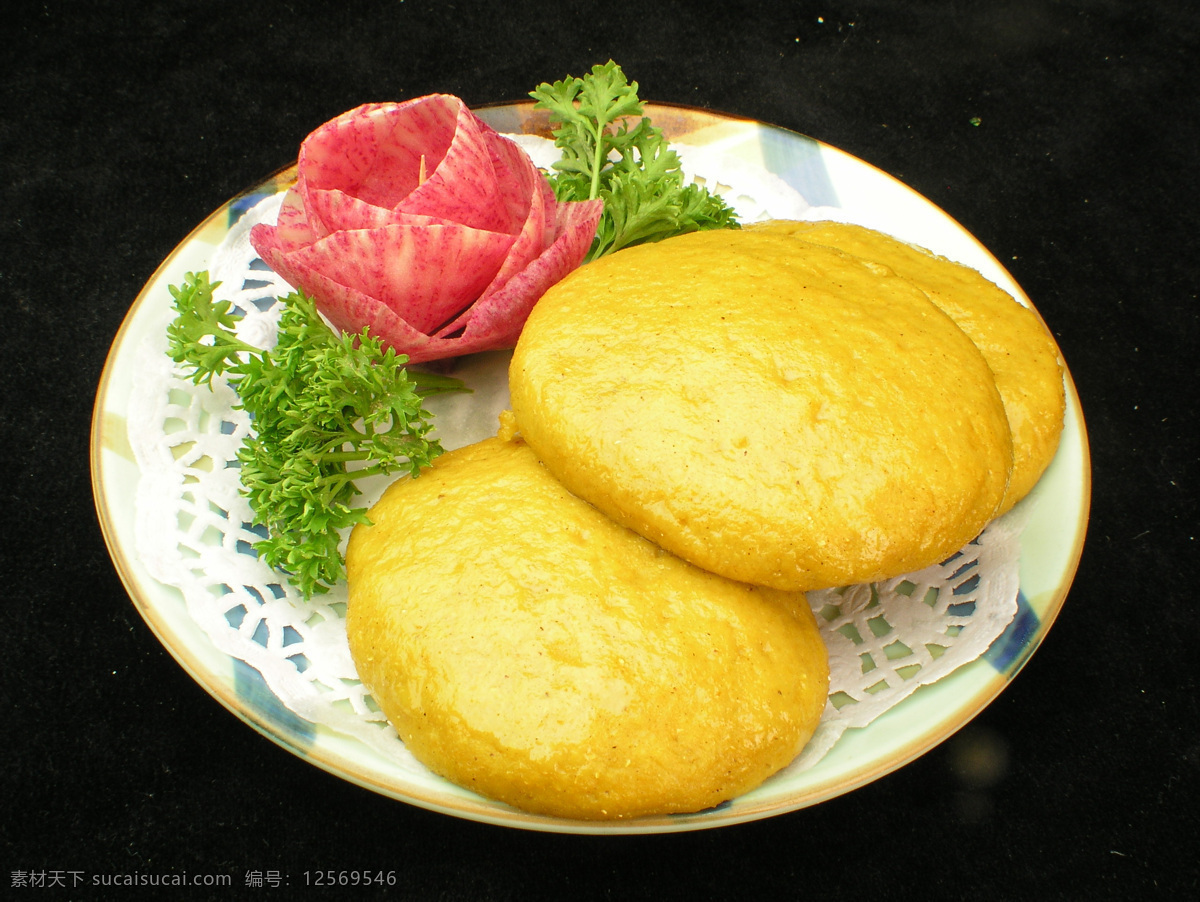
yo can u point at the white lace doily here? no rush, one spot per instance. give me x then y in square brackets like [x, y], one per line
[193, 529]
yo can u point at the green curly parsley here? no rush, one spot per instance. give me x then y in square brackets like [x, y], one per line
[631, 169]
[319, 401]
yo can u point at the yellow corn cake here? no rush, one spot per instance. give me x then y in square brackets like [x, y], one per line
[1021, 353]
[793, 418]
[527, 647]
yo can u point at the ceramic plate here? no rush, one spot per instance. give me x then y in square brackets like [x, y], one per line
[1050, 546]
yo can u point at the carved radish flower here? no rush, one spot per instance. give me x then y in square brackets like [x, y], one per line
[420, 221]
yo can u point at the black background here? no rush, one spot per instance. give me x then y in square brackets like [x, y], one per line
[123, 125]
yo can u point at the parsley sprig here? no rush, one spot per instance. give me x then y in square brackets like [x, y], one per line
[321, 404]
[629, 166]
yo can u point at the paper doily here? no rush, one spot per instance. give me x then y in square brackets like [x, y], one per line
[193, 527]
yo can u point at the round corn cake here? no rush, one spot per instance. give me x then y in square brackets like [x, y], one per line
[527, 647]
[1021, 353]
[787, 415]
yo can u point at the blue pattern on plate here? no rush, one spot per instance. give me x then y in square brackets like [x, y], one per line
[720, 806]
[797, 160]
[239, 206]
[1015, 644]
[252, 689]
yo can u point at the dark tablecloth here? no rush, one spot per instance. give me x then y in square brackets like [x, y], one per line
[1062, 134]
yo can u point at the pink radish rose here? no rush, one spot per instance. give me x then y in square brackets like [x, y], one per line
[420, 221]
